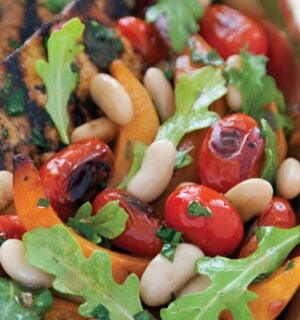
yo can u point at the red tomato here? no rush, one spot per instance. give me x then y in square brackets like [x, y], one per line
[10, 227]
[229, 30]
[232, 151]
[218, 234]
[145, 39]
[76, 174]
[142, 224]
[278, 213]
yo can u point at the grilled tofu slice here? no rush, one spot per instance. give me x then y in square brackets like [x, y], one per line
[25, 126]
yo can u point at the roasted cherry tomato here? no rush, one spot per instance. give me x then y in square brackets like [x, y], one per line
[76, 174]
[229, 30]
[232, 151]
[278, 213]
[142, 224]
[206, 219]
[145, 39]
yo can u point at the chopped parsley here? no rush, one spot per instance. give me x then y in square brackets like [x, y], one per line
[196, 209]
[16, 103]
[43, 203]
[100, 313]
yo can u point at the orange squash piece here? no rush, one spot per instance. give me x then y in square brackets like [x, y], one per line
[27, 192]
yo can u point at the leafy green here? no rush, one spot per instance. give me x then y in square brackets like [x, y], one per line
[193, 95]
[179, 17]
[183, 158]
[56, 6]
[16, 103]
[100, 313]
[55, 251]
[230, 278]
[196, 209]
[139, 151]
[271, 162]
[2, 240]
[257, 88]
[171, 239]
[144, 315]
[18, 302]
[109, 222]
[57, 74]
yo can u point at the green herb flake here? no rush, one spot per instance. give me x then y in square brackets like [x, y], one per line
[171, 238]
[144, 315]
[37, 138]
[14, 44]
[2, 240]
[183, 159]
[43, 203]
[55, 6]
[181, 19]
[5, 134]
[57, 74]
[291, 265]
[196, 209]
[100, 313]
[16, 103]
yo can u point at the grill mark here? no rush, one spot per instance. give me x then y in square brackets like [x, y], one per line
[116, 9]
[31, 20]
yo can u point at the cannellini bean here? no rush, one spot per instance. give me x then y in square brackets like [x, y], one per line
[162, 278]
[13, 262]
[234, 98]
[288, 178]
[6, 189]
[161, 92]
[155, 172]
[102, 128]
[250, 197]
[234, 61]
[112, 98]
[197, 284]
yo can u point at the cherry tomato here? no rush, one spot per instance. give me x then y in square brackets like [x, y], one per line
[76, 174]
[229, 30]
[232, 151]
[278, 213]
[142, 224]
[145, 39]
[217, 234]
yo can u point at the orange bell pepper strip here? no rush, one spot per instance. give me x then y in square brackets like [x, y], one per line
[143, 127]
[27, 192]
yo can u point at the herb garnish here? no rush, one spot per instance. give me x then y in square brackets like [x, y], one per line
[100, 313]
[16, 103]
[183, 158]
[43, 203]
[56, 6]
[196, 209]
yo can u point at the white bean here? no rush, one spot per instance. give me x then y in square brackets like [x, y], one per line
[6, 189]
[234, 61]
[161, 92]
[162, 278]
[250, 197]
[234, 98]
[112, 98]
[13, 262]
[288, 178]
[155, 172]
[101, 128]
[197, 284]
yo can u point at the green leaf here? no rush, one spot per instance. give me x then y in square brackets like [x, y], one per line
[230, 279]
[144, 315]
[183, 159]
[196, 209]
[57, 74]
[43, 203]
[139, 151]
[181, 19]
[18, 302]
[271, 163]
[101, 313]
[257, 88]
[85, 211]
[193, 94]
[56, 6]
[2, 240]
[171, 238]
[55, 251]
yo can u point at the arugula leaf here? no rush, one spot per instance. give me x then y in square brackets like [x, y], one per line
[193, 94]
[179, 18]
[56, 6]
[139, 151]
[57, 74]
[55, 251]
[257, 88]
[183, 158]
[271, 163]
[109, 222]
[18, 302]
[230, 278]
[171, 239]
[196, 209]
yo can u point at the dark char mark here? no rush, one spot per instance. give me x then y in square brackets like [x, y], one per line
[31, 20]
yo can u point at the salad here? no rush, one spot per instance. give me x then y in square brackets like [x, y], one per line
[150, 165]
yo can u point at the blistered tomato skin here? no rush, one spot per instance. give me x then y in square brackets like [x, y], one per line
[139, 236]
[76, 174]
[278, 213]
[232, 151]
[219, 234]
[145, 39]
[229, 31]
